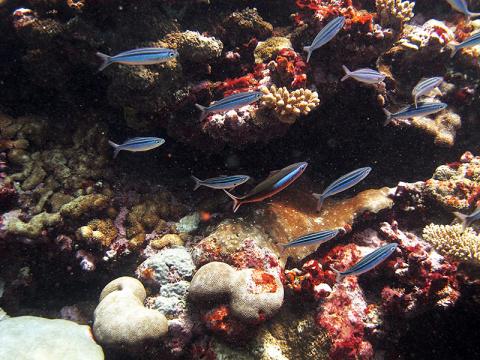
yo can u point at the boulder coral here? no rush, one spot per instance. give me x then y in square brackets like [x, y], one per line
[253, 295]
[31, 337]
[121, 319]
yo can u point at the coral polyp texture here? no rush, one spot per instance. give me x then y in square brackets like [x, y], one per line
[456, 186]
[121, 318]
[253, 295]
[454, 241]
[394, 13]
[288, 106]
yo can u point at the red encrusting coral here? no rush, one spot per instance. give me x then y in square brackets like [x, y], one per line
[313, 11]
[220, 321]
[247, 82]
[289, 69]
[264, 282]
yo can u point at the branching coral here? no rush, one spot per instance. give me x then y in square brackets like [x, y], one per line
[394, 13]
[453, 241]
[289, 106]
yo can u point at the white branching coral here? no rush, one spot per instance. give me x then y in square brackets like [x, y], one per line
[289, 106]
[394, 13]
[453, 241]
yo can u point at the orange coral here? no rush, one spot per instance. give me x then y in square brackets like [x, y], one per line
[264, 282]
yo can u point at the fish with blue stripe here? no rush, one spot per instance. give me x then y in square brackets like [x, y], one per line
[467, 220]
[137, 144]
[142, 56]
[270, 186]
[221, 182]
[368, 262]
[325, 35]
[461, 6]
[319, 237]
[422, 109]
[473, 40]
[365, 75]
[343, 183]
[231, 102]
[425, 87]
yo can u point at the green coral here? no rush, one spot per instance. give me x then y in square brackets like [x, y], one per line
[33, 228]
[268, 49]
[84, 205]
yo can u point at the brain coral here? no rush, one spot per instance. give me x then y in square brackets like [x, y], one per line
[253, 295]
[121, 319]
[452, 241]
[289, 106]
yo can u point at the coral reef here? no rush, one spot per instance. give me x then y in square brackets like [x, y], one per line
[121, 319]
[456, 186]
[453, 241]
[27, 337]
[394, 13]
[193, 46]
[241, 26]
[288, 106]
[268, 49]
[253, 295]
[443, 127]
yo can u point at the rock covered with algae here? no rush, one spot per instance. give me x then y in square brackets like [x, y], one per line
[31, 337]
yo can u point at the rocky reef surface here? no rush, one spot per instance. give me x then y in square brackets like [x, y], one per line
[118, 258]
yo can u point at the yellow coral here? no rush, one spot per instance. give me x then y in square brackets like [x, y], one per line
[394, 13]
[452, 241]
[289, 106]
[98, 231]
[443, 127]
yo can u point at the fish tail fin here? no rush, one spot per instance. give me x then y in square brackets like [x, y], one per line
[203, 109]
[236, 201]
[309, 52]
[347, 73]
[116, 148]
[389, 117]
[339, 276]
[462, 218]
[107, 60]
[454, 49]
[320, 200]
[472, 15]
[198, 183]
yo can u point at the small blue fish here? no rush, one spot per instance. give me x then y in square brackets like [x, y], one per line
[221, 182]
[143, 56]
[425, 86]
[325, 35]
[473, 40]
[422, 109]
[319, 237]
[368, 262]
[341, 184]
[230, 102]
[365, 75]
[466, 220]
[461, 6]
[137, 144]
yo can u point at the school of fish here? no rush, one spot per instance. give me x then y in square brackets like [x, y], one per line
[281, 179]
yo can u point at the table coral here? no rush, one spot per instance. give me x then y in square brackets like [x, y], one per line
[454, 242]
[288, 106]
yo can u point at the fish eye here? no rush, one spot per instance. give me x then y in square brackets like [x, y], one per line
[172, 54]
